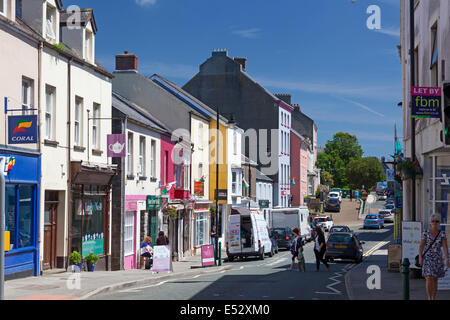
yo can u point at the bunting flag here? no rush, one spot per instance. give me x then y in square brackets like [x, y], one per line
[245, 183]
[167, 188]
[292, 182]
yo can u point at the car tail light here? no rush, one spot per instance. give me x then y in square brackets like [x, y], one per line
[287, 237]
[259, 243]
[354, 246]
[378, 221]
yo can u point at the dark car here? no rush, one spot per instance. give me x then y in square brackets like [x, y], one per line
[344, 245]
[283, 237]
[333, 204]
[339, 229]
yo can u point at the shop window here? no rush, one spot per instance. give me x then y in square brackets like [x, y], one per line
[88, 225]
[19, 204]
[201, 220]
[128, 237]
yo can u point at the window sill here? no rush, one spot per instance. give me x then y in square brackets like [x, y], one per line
[96, 152]
[79, 149]
[51, 143]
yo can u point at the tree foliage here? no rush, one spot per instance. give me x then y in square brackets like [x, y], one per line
[365, 172]
[326, 178]
[337, 154]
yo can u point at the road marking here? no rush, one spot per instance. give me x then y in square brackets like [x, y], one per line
[380, 252]
[276, 262]
[242, 267]
[195, 277]
[336, 282]
[375, 248]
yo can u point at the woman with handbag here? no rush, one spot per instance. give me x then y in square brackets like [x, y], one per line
[431, 261]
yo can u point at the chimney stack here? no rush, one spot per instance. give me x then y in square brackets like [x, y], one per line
[285, 97]
[242, 62]
[126, 62]
[297, 107]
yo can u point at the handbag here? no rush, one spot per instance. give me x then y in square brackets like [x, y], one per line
[417, 257]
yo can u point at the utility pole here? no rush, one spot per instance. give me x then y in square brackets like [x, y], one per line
[413, 120]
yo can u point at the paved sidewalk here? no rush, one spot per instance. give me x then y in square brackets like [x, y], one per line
[391, 282]
[69, 285]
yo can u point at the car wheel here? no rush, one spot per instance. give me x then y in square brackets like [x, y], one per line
[271, 253]
[231, 259]
[261, 256]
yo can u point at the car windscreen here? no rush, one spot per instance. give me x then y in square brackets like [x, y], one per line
[340, 238]
[384, 212]
[372, 216]
[334, 195]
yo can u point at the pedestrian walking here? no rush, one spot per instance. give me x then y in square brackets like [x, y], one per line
[431, 260]
[320, 248]
[297, 250]
[162, 239]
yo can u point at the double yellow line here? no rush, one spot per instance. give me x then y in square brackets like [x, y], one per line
[375, 248]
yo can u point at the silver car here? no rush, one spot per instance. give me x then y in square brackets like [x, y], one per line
[387, 215]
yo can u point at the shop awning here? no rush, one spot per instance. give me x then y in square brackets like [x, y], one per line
[92, 174]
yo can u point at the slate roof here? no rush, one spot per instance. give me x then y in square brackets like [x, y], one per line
[137, 113]
[87, 15]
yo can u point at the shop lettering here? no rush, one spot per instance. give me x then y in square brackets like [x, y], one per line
[197, 310]
[23, 139]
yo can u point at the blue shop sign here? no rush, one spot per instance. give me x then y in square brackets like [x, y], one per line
[22, 129]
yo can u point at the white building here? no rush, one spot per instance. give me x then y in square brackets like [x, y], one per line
[75, 98]
[432, 69]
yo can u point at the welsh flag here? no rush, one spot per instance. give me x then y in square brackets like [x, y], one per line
[165, 189]
[203, 178]
[245, 183]
[292, 182]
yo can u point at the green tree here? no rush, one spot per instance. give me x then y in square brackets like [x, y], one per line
[364, 172]
[337, 154]
[326, 178]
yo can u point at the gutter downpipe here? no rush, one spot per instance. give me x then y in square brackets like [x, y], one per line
[40, 47]
[69, 156]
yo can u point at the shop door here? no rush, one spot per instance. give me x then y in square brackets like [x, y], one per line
[130, 240]
[186, 235]
[50, 213]
[153, 225]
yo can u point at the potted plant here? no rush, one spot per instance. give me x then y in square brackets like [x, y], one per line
[91, 260]
[409, 169]
[170, 211]
[212, 211]
[75, 259]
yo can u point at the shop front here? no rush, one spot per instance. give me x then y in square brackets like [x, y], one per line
[23, 176]
[90, 218]
[439, 189]
[200, 218]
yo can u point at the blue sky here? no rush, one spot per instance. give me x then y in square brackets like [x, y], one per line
[344, 76]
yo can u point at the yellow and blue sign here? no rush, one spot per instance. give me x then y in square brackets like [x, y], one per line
[22, 129]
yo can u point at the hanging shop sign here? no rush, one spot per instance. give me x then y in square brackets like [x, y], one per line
[153, 203]
[22, 129]
[199, 188]
[426, 102]
[116, 145]
[390, 175]
[263, 203]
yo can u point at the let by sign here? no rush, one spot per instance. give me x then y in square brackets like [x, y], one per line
[426, 102]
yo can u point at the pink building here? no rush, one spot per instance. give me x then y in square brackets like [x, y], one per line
[300, 155]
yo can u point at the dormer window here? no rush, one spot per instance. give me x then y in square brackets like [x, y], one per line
[88, 46]
[3, 7]
[51, 22]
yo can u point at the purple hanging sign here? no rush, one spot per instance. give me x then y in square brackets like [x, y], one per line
[116, 146]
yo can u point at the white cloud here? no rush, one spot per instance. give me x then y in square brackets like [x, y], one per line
[248, 33]
[145, 2]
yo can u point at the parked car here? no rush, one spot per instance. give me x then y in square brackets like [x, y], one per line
[344, 245]
[389, 206]
[283, 237]
[382, 197]
[373, 221]
[332, 204]
[387, 215]
[337, 190]
[325, 222]
[335, 195]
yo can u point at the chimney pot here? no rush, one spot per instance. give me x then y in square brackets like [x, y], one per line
[242, 62]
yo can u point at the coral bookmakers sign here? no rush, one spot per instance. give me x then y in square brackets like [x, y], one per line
[426, 102]
[22, 129]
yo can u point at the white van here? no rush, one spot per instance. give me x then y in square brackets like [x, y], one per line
[247, 235]
[295, 217]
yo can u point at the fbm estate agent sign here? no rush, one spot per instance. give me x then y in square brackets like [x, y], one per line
[426, 102]
[22, 129]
